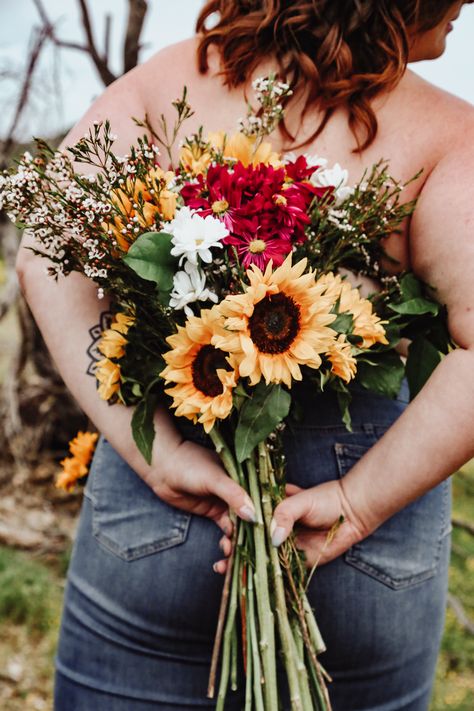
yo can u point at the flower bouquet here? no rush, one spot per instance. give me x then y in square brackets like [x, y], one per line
[226, 276]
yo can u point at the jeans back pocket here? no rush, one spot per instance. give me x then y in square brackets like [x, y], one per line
[405, 549]
[128, 518]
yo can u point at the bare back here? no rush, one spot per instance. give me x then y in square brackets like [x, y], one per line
[420, 127]
[417, 122]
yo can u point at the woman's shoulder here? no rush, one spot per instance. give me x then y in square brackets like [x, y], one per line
[447, 118]
[173, 66]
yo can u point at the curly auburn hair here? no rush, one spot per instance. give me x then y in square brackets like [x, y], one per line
[345, 52]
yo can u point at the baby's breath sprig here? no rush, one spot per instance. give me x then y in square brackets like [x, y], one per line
[351, 235]
[166, 136]
[269, 93]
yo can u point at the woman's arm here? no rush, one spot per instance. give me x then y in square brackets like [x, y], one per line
[435, 434]
[182, 473]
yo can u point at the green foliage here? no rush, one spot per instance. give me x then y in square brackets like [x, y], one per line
[143, 428]
[260, 414]
[150, 258]
[423, 358]
[383, 373]
[28, 592]
[416, 307]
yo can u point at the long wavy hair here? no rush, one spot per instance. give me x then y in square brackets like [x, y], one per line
[340, 52]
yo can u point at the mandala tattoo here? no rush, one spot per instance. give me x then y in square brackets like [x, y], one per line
[106, 318]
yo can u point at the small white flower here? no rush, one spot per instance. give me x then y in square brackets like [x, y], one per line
[336, 177]
[189, 286]
[312, 161]
[193, 236]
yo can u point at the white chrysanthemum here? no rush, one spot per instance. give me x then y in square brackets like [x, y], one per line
[189, 286]
[194, 236]
[335, 176]
[313, 161]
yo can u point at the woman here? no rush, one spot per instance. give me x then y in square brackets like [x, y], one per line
[141, 599]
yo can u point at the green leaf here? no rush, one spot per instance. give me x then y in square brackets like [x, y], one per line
[410, 287]
[384, 377]
[423, 358]
[150, 257]
[416, 307]
[143, 429]
[344, 398]
[343, 323]
[259, 416]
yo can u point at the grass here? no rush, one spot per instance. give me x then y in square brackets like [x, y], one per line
[30, 608]
[31, 600]
[455, 678]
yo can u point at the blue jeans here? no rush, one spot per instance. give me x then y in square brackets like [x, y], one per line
[141, 598]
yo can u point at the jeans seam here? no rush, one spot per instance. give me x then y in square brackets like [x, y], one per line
[176, 534]
[343, 457]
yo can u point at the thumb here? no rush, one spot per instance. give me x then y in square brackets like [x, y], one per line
[234, 495]
[318, 507]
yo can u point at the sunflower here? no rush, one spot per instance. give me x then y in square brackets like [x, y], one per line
[75, 467]
[108, 374]
[72, 471]
[343, 363]
[204, 375]
[280, 323]
[242, 148]
[113, 341]
[83, 445]
[112, 344]
[366, 324]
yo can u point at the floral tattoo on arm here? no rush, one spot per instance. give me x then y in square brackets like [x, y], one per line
[106, 318]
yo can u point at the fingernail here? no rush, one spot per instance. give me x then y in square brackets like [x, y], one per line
[248, 513]
[278, 534]
[215, 568]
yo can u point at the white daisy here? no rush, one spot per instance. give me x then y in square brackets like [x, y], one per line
[336, 177]
[313, 161]
[194, 236]
[189, 286]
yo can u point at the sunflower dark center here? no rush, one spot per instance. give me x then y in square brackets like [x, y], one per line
[275, 323]
[206, 363]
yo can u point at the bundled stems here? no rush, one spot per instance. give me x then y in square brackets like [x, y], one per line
[271, 591]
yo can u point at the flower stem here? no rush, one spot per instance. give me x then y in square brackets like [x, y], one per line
[225, 454]
[228, 634]
[286, 635]
[230, 573]
[265, 614]
[253, 645]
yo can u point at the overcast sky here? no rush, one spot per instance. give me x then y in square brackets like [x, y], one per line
[167, 21]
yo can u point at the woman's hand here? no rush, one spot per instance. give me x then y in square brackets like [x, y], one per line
[324, 521]
[313, 514]
[192, 478]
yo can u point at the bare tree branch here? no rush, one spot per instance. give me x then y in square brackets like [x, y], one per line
[461, 614]
[39, 37]
[137, 10]
[107, 33]
[90, 48]
[465, 525]
[101, 64]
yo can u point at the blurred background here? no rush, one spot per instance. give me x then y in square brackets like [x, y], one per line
[56, 56]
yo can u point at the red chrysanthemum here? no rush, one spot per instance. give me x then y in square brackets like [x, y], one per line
[264, 212]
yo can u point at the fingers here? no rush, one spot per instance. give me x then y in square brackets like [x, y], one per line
[224, 522]
[220, 567]
[234, 495]
[318, 507]
[292, 489]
